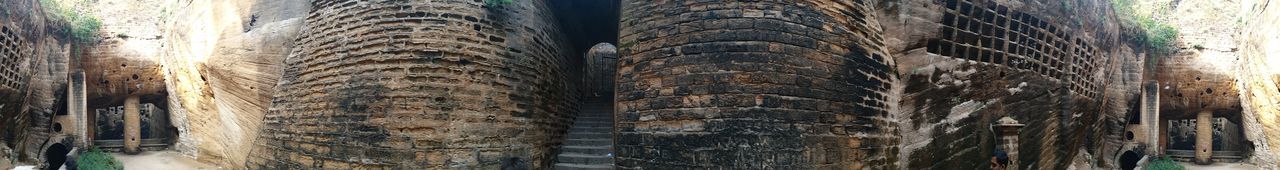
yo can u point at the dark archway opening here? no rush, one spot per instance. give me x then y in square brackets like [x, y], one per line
[1129, 160]
[587, 23]
[55, 156]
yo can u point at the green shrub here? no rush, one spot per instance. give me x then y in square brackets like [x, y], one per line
[95, 159]
[80, 26]
[497, 2]
[1164, 163]
[1155, 35]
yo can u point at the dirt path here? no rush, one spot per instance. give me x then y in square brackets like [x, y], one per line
[160, 160]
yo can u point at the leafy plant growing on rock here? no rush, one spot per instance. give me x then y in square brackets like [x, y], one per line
[1155, 35]
[80, 26]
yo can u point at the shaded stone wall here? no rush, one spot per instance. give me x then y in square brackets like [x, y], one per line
[114, 70]
[760, 84]
[966, 64]
[420, 85]
[993, 34]
[33, 67]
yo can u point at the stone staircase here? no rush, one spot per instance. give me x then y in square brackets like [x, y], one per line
[589, 144]
[1218, 156]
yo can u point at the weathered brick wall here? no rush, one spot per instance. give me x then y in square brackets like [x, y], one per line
[759, 84]
[420, 85]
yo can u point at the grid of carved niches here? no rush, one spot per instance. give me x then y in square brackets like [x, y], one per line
[11, 53]
[994, 34]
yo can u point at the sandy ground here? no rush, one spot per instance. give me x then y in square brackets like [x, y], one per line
[155, 160]
[1220, 166]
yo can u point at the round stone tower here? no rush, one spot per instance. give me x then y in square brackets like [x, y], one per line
[759, 84]
[420, 85]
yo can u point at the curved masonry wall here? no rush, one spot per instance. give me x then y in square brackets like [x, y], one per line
[420, 85]
[766, 84]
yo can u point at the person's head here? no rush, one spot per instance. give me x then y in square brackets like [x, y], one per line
[1000, 160]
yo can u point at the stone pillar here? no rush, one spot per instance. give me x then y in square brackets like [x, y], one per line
[1150, 114]
[76, 109]
[132, 125]
[1204, 137]
[1164, 136]
[1009, 130]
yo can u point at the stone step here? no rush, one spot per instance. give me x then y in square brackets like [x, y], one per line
[588, 142]
[589, 135]
[591, 129]
[571, 166]
[593, 124]
[584, 158]
[595, 118]
[599, 150]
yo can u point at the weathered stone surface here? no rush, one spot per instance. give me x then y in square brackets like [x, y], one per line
[754, 84]
[33, 67]
[967, 63]
[420, 85]
[220, 71]
[1259, 80]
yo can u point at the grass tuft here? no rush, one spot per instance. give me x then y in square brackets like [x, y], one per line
[81, 26]
[1155, 35]
[95, 159]
[497, 2]
[1164, 163]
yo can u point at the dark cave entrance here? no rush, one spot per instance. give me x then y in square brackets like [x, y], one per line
[1129, 160]
[106, 122]
[55, 156]
[1228, 142]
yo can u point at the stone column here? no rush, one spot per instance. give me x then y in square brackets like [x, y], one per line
[1009, 130]
[1204, 137]
[1150, 116]
[1164, 136]
[132, 125]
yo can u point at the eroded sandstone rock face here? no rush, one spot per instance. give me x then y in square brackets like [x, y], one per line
[420, 85]
[789, 85]
[221, 59]
[33, 73]
[968, 63]
[1259, 80]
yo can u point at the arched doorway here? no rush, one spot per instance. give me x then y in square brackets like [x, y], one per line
[1129, 160]
[55, 156]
